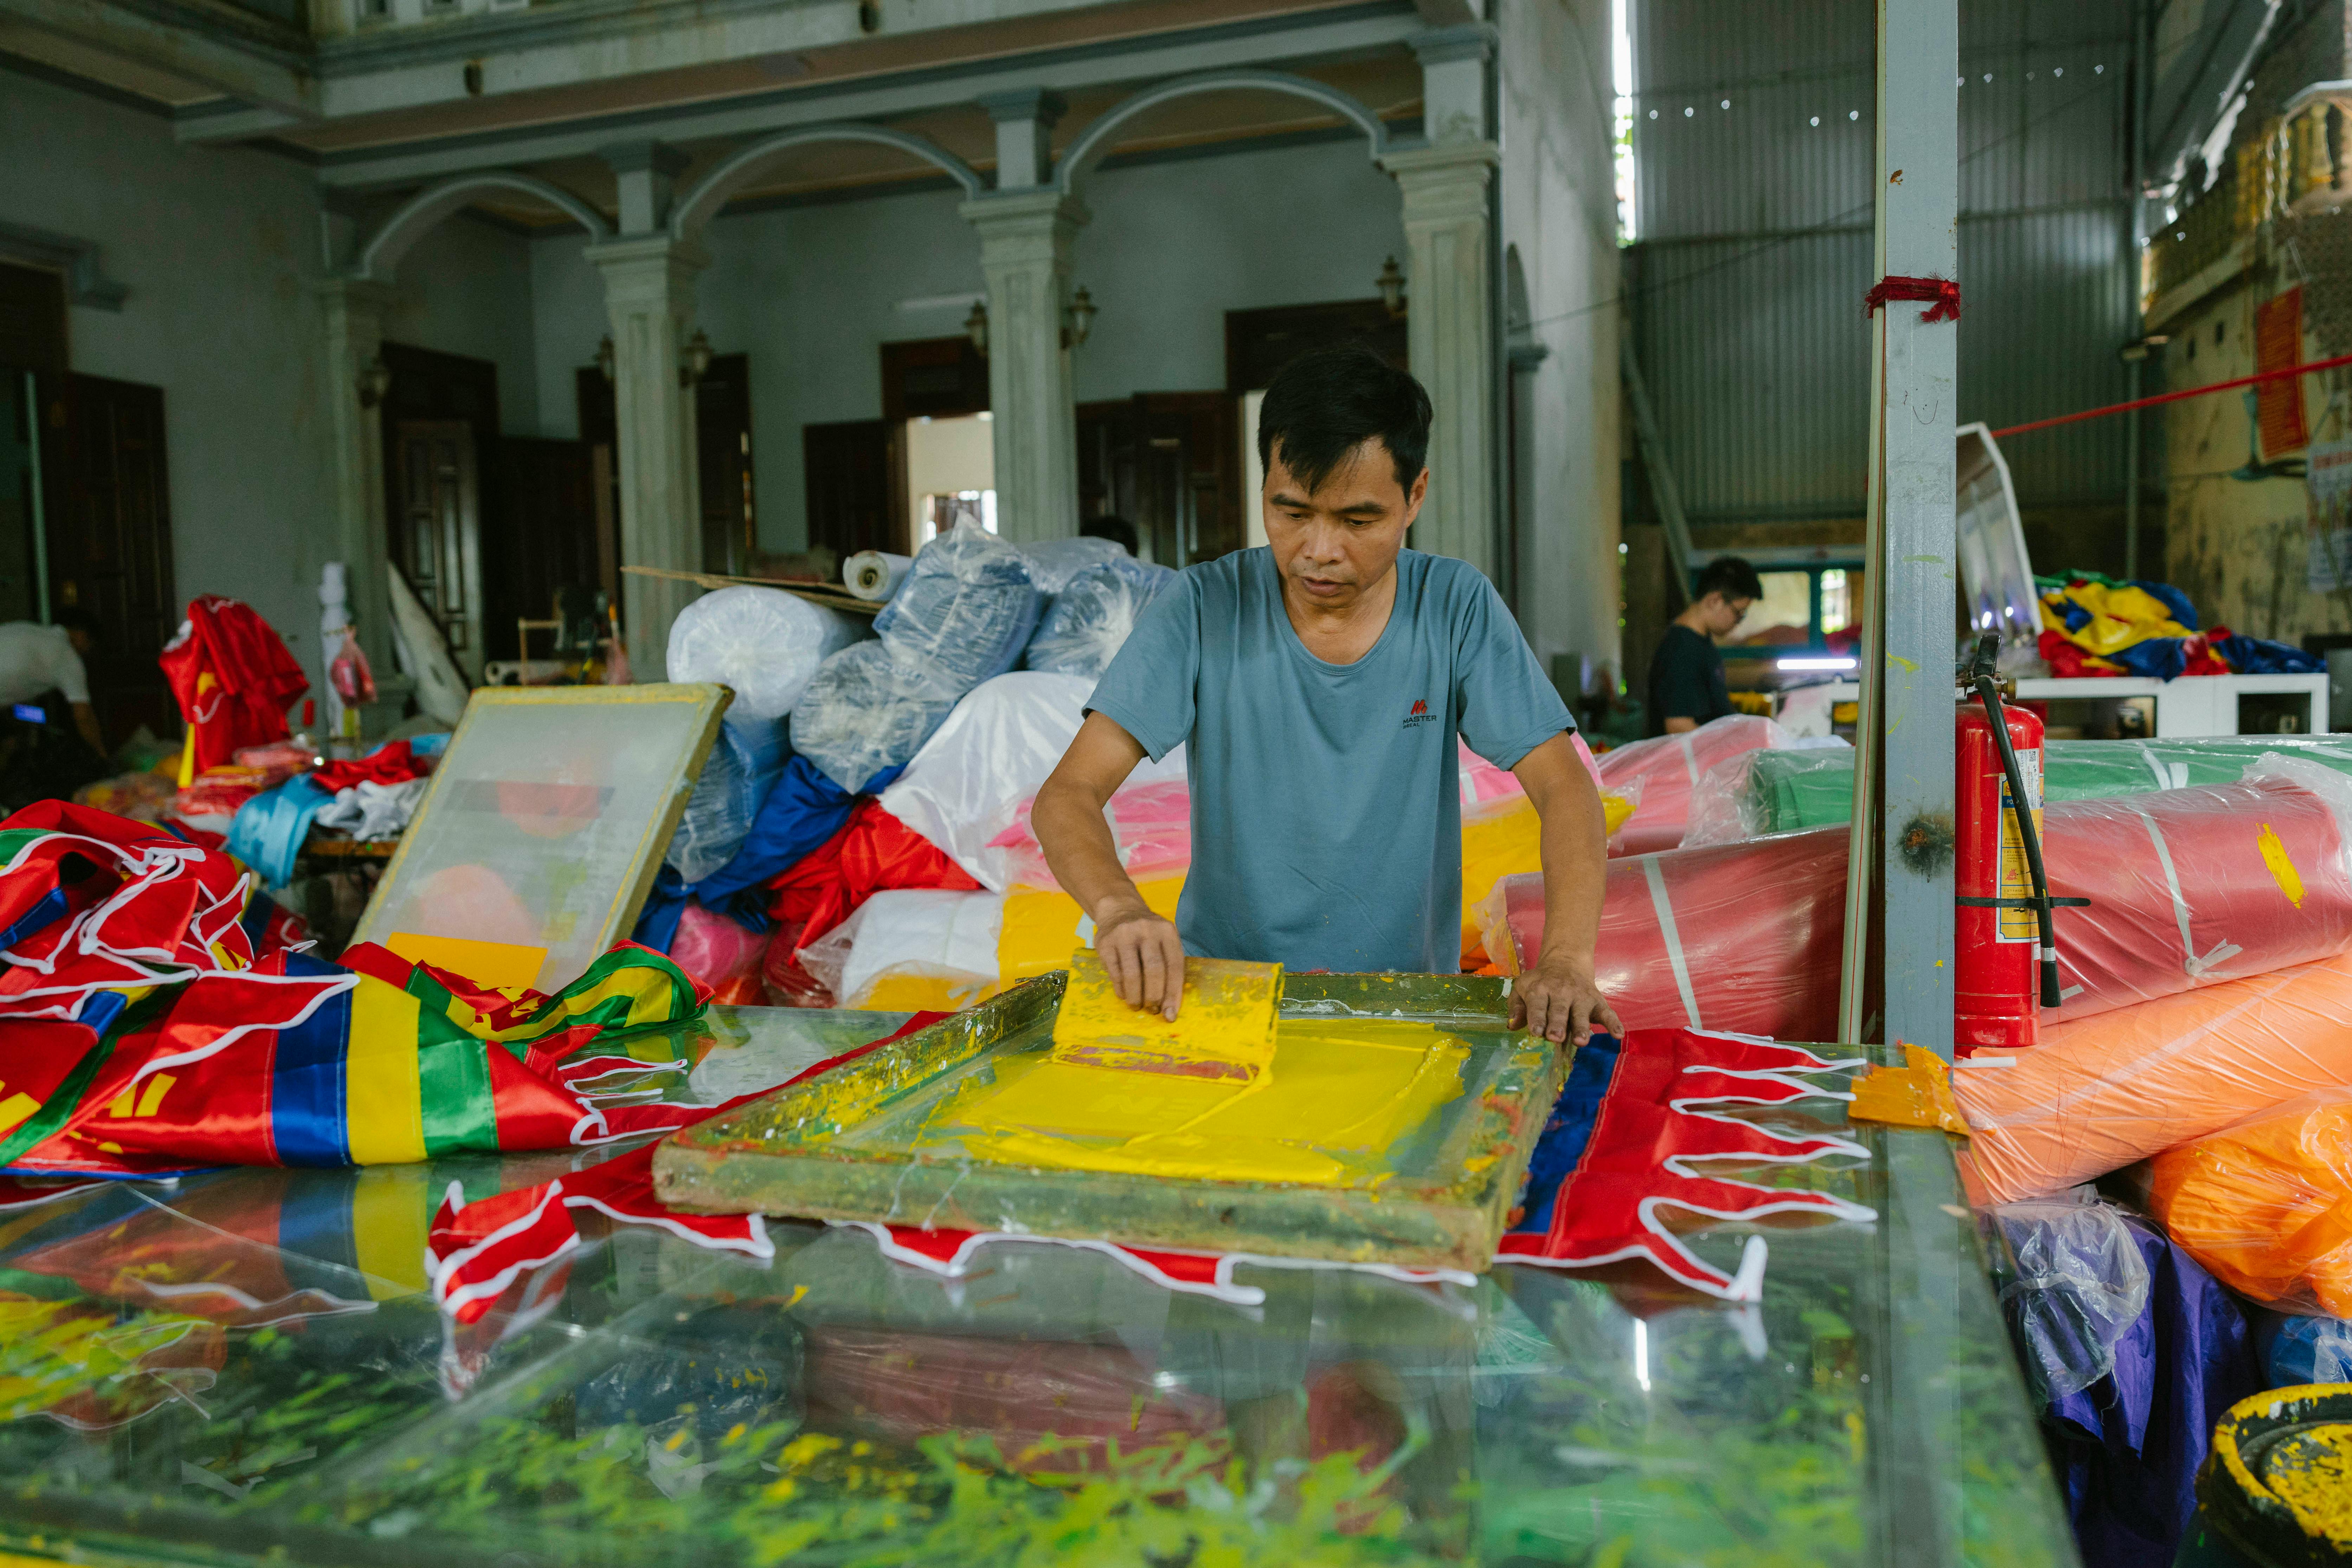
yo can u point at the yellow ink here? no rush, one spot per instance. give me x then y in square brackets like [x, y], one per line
[1224, 1028]
[2283, 871]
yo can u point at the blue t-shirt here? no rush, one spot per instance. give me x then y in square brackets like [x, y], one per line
[1327, 809]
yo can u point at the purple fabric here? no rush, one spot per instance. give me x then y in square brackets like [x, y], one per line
[2126, 1448]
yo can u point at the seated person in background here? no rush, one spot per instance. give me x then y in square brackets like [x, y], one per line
[1686, 672]
[36, 660]
[1117, 530]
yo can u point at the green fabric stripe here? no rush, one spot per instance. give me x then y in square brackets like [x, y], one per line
[13, 842]
[452, 1084]
[59, 1107]
[430, 993]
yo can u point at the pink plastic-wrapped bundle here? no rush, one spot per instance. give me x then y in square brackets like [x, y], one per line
[1740, 937]
[2192, 887]
[1669, 766]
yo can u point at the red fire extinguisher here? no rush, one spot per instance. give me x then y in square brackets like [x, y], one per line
[2003, 939]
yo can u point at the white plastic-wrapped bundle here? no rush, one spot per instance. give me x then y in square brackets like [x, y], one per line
[964, 612]
[763, 643]
[866, 711]
[744, 763]
[1088, 622]
[967, 784]
[911, 950]
[1054, 561]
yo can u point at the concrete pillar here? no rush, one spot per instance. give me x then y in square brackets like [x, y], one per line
[1025, 256]
[1450, 335]
[354, 322]
[649, 295]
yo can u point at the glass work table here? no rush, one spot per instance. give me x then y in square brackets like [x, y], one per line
[243, 1368]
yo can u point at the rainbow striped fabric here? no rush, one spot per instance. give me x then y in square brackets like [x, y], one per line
[158, 1020]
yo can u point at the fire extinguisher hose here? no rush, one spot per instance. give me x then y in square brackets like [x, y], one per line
[1987, 690]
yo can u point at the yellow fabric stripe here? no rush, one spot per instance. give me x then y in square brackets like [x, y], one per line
[391, 1213]
[383, 1109]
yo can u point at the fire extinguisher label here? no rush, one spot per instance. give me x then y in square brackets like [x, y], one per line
[2017, 923]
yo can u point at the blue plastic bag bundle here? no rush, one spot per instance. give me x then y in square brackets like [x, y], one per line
[964, 613]
[867, 711]
[2298, 1350]
[1089, 620]
[744, 763]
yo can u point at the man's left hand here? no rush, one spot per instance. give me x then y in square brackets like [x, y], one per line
[1560, 1000]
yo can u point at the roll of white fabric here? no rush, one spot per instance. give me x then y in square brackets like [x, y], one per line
[873, 575]
[764, 643]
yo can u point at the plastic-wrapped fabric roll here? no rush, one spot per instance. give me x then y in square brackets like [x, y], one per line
[866, 711]
[744, 764]
[2102, 1092]
[763, 643]
[905, 947]
[1670, 766]
[1738, 937]
[2194, 887]
[2263, 1204]
[1088, 623]
[875, 574]
[964, 613]
[1054, 561]
[1790, 790]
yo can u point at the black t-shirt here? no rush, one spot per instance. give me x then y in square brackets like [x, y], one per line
[1685, 679]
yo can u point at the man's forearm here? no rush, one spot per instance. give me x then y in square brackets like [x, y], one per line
[85, 720]
[1575, 849]
[1081, 852]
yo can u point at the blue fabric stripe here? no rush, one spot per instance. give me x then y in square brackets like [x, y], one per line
[307, 1103]
[50, 909]
[1562, 1142]
[100, 1009]
[314, 1218]
[256, 919]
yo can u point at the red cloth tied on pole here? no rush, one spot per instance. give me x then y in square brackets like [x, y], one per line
[233, 677]
[1942, 295]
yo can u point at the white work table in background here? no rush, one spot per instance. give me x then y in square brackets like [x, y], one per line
[2192, 706]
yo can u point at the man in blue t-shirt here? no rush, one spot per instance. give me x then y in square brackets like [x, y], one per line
[1316, 686]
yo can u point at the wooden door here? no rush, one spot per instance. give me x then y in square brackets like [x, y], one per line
[1260, 343]
[106, 496]
[1170, 463]
[552, 534]
[436, 531]
[856, 473]
[722, 433]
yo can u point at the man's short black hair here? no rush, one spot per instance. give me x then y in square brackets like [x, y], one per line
[1729, 576]
[1117, 530]
[1330, 401]
[75, 619]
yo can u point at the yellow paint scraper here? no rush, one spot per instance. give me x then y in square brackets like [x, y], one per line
[1224, 1027]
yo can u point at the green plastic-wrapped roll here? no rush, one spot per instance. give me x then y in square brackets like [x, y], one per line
[1784, 791]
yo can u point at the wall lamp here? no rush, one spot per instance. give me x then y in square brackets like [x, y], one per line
[694, 359]
[1078, 321]
[605, 358]
[975, 326]
[374, 382]
[1390, 283]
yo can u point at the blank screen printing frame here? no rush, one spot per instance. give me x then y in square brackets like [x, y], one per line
[546, 820]
[1996, 573]
[850, 1143]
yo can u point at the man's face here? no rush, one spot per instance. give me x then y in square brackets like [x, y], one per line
[1335, 543]
[1722, 614]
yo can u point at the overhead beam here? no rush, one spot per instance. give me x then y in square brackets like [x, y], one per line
[214, 46]
[1321, 34]
[228, 122]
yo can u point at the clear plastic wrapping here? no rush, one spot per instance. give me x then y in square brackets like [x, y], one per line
[743, 765]
[1740, 937]
[1670, 767]
[1052, 563]
[864, 711]
[1088, 621]
[763, 643]
[911, 951]
[964, 612]
[2267, 1205]
[2082, 1281]
[2192, 887]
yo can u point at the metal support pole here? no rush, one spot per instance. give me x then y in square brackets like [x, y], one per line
[2138, 122]
[1663, 489]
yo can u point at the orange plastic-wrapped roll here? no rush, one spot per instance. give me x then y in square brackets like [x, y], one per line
[2267, 1206]
[2102, 1092]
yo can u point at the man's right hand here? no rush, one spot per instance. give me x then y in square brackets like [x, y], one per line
[1144, 957]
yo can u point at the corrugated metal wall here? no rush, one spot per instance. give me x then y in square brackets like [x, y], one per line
[1754, 225]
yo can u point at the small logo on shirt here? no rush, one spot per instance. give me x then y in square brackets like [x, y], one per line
[1420, 714]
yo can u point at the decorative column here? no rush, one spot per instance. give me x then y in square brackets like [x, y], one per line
[1024, 255]
[354, 321]
[1449, 329]
[649, 295]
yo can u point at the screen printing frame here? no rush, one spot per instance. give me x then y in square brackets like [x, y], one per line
[780, 1155]
[645, 859]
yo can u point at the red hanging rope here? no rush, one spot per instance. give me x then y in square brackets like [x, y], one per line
[2317, 364]
[1942, 295]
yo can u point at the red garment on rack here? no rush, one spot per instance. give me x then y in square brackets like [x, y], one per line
[232, 675]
